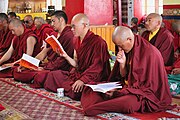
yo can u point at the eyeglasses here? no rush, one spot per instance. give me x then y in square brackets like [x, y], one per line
[26, 22]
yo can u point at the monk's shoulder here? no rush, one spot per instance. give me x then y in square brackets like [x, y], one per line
[98, 39]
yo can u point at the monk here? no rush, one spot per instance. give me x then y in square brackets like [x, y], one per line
[25, 41]
[42, 29]
[139, 67]
[90, 63]
[6, 35]
[175, 68]
[161, 38]
[54, 61]
[29, 22]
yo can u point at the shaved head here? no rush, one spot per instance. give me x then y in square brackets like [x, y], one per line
[153, 22]
[123, 38]
[80, 25]
[81, 18]
[15, 22]
[155, 16]
[122, 32]
[16, 27]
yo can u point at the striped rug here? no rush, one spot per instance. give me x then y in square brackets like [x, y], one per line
[40, 104]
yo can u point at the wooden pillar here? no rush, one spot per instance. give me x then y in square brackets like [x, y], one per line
[3, 6]
[100, 12]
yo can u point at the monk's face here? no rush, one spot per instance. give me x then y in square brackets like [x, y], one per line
[77, 27]
[15, 29]
[125, 45]
[38, 24]
[56, 23]
[151, 23]
[28, 22]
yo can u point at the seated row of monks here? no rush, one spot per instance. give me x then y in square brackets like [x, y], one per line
[140, 64]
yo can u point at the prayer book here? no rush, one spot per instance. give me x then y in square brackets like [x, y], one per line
[54, 43]
[105, 87]
[29, 62]
[4, 67]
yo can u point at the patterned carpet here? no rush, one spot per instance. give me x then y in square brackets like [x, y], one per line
[23, 102]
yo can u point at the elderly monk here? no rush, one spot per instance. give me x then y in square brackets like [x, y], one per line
[6, 35]
[90, 63]
[55, 62]
[25, 41]
[161, 38]
[139, 67]
[29, 22]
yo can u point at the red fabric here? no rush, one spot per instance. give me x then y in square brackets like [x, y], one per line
[1, 107]
[42, 32]
[5, 40]
[20, 45]
[55, 62]
[147, 84]
[163, 41]
[93, 66]
[176, 41]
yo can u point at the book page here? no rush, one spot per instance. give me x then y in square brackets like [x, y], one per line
[52, 40]
[104, 87]
[29, 62]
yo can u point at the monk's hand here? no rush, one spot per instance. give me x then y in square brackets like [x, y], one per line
[39, 69]
[175, 71]
[64, 54]
[78, 86]
[121, 58]
[20, 68]
[109, 94]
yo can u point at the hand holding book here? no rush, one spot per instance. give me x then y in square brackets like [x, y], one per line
[55, 44]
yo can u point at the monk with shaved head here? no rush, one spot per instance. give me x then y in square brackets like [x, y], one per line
[139, 67]
[161, 38]
[6, 35]
[90, 62]
[25, 41]
[29, 22]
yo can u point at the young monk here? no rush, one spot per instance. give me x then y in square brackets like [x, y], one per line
[55, 62]
[91, 61]
[6, 35]
[139, 67]
[25, 41]
[161, 38]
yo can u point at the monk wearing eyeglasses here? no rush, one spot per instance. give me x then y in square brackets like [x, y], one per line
[90, 62]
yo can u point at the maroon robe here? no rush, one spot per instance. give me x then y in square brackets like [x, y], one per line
[147, 89]
[1, 107]
[43, 31]
[20, 47]
[55, 62]
[163, 41]
[5, 40]
[93, 66]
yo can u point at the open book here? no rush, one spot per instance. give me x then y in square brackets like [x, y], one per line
[104, 87]
[52, 40]
[29, 62]
[4, 67]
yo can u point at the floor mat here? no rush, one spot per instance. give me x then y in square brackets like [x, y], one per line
[49, 96]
